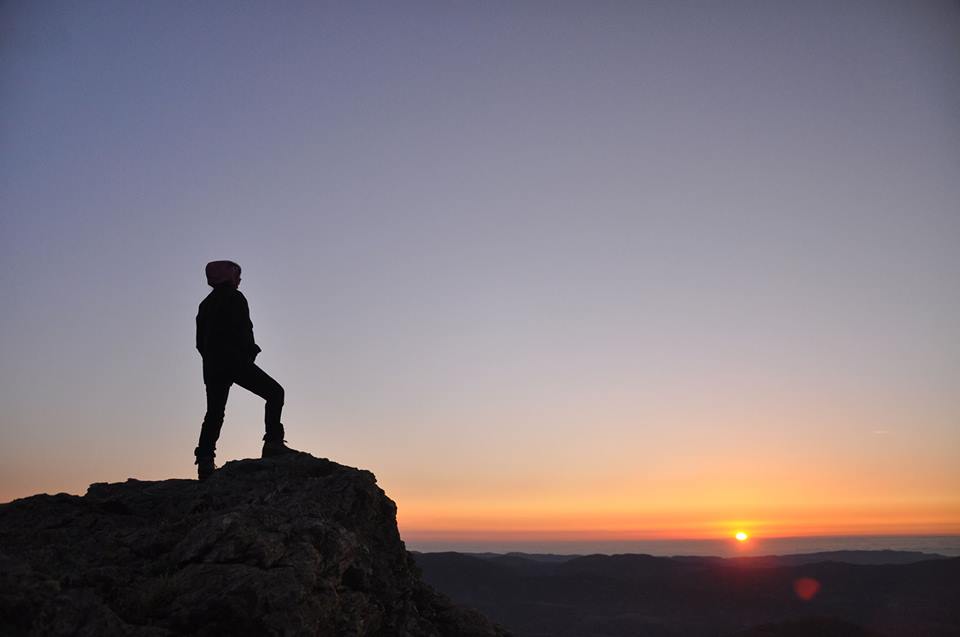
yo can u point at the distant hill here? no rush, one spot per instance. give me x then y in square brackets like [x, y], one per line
[812, 627]
[885, 556]
[868, 593]
[847, 557]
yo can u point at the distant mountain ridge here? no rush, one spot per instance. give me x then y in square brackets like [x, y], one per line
[883, 556]
[870, 593]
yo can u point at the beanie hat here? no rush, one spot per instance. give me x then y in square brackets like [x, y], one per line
[221, 272]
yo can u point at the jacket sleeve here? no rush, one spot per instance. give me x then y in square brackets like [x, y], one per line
[201, 330]
[244, 327]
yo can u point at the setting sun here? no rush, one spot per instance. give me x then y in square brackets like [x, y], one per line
[741, 536]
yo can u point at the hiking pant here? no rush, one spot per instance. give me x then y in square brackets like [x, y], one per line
[253, 379]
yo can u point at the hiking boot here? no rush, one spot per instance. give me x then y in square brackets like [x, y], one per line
[205, 467]
[272, 448]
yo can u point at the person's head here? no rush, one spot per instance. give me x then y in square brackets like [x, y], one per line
[223, 273]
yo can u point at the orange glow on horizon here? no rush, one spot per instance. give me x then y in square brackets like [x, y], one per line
[579, 521]
[683, 497]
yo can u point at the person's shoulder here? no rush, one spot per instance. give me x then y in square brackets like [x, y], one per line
[225, 290]
[221, 294]
[234, 298]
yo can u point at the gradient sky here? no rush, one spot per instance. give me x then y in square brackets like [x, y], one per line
[559, 270]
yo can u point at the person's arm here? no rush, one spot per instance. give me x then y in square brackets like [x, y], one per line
[248, 345]
[201, 331]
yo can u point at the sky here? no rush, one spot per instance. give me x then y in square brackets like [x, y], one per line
[552, 271]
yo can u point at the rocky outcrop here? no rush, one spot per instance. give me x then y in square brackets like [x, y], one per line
[288, 546]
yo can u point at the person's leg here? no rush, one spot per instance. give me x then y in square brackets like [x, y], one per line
[257, 381]
[217, 393]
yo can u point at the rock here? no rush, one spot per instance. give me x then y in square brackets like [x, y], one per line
[294, 545]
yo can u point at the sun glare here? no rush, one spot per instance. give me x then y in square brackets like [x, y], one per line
[741, 536]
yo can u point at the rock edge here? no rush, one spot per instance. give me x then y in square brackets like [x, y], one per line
[295, 545]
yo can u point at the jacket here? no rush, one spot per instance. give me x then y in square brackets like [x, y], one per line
[225, 333]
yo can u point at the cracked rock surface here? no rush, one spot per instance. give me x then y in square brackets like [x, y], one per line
[294, 545]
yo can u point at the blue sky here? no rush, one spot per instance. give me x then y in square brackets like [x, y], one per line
[495, 252]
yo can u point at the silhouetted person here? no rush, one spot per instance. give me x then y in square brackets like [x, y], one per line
[225, 341]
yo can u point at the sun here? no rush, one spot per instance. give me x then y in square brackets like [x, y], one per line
[741, 536]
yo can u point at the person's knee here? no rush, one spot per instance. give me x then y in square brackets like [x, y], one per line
[214, 417]
[275, 394]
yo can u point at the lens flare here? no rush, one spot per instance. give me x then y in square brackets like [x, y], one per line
[806, 588]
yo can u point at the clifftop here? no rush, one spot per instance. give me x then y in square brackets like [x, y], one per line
[295, 545]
